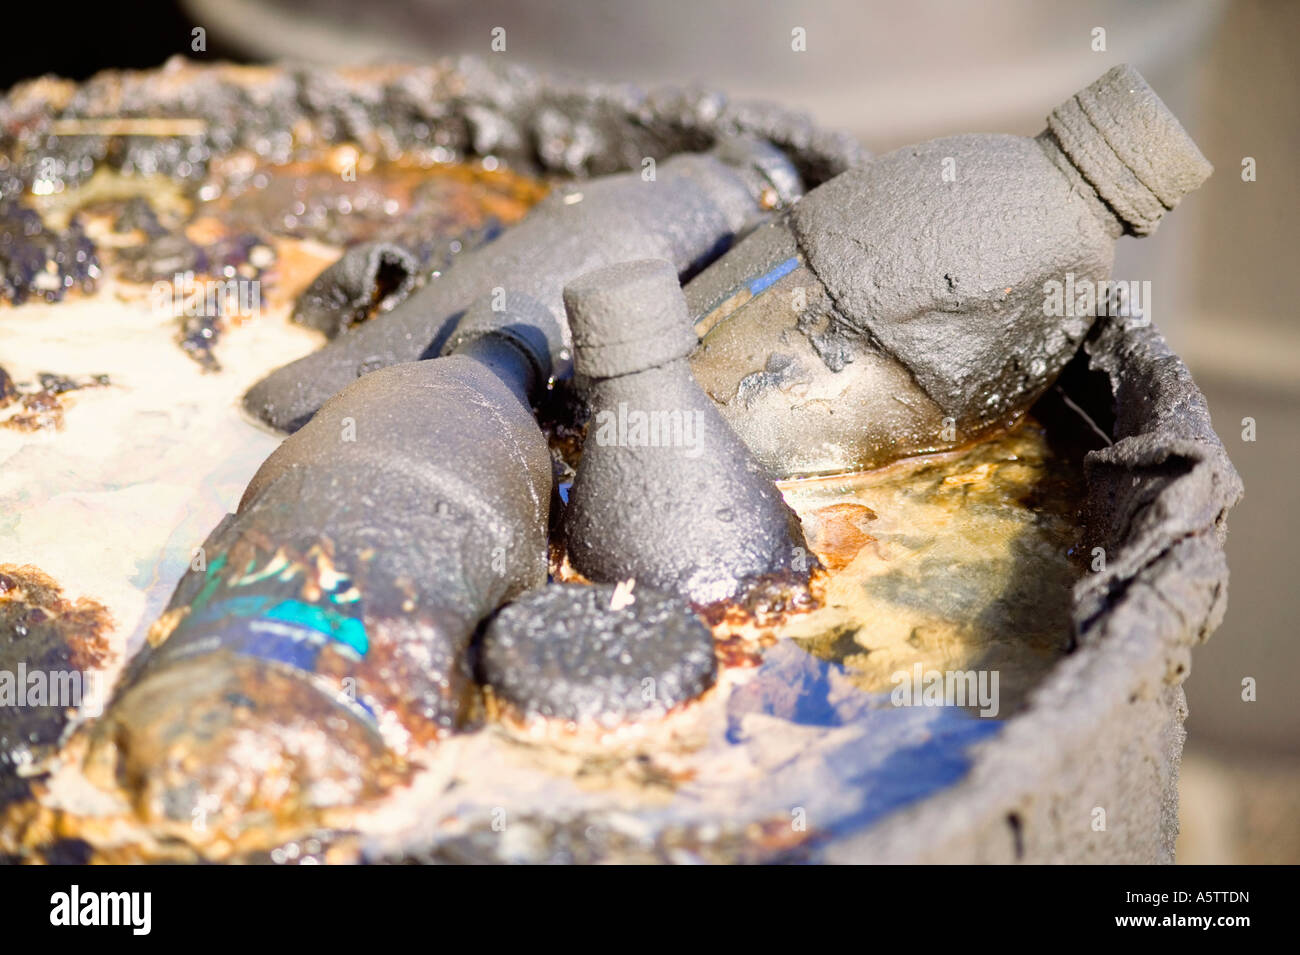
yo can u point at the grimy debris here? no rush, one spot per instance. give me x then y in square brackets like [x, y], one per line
[692, 209]
[341, 599]
[907, 296]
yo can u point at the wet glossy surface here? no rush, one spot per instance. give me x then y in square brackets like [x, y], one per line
[798, 743]
[953, 563]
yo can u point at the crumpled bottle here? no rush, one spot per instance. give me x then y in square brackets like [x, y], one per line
[689, 211]
[325, 626]
[905, 306]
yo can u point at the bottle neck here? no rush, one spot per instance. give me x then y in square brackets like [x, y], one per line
[661, 387]
[1080, 186]
[505, 360]
[770, 177]
[1127, 144]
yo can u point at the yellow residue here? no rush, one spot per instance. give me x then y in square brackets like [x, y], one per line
[957, 561]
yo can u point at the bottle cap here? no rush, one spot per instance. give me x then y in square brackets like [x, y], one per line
[627, 318]
[1130, 147]
[576, 652]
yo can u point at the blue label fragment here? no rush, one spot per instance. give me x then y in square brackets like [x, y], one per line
[772, 276]
[287, 631]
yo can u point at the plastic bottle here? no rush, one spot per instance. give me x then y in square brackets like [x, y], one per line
[687, 212]
[323, 626]
[913, 304]
[665, 493]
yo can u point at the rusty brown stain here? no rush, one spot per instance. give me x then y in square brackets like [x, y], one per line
[296, 264]
[394, 678]
[32, 600]
[249, 745]
[42, 404]
[838, 532]
[8, 390]
[42, 411]
[735, 651]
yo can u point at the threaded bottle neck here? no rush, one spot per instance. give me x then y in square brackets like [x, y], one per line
[1079, 186]
[1129, 147]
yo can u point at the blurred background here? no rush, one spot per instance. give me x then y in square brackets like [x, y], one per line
[894, 73]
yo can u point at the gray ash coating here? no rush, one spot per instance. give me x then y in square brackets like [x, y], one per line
[1158, 498]
[370, 276]
[957, 292]
[463, 106]
[925, 281]
[562, 653]
[683, 507]
[693, 208]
